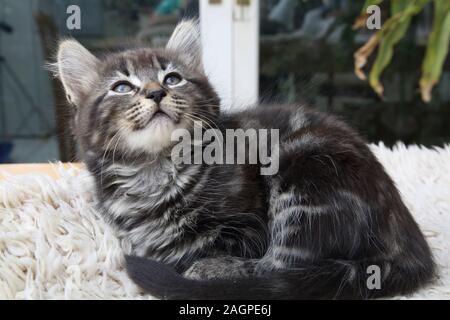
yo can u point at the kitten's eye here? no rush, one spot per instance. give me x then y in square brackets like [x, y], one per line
[122, 87]
[172, 79]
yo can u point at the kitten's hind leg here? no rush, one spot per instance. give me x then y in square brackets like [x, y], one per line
[222, 267]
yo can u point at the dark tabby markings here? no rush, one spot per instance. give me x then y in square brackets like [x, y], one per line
[224, 231]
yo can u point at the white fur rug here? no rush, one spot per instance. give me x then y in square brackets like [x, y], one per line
[53, 245]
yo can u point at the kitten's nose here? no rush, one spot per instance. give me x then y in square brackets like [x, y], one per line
[156, 95]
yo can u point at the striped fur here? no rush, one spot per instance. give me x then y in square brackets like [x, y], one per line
[309, 231]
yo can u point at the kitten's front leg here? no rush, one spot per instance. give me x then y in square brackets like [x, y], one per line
[222, 267]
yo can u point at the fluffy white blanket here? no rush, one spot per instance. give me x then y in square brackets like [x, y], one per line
[54, 246]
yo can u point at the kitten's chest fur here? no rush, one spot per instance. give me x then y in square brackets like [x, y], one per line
[136, 199]
[174, 214]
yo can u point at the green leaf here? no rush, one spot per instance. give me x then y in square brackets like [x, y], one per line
[437, 49]
[391, 33]
[387, 43]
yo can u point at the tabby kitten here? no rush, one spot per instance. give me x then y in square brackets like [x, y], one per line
[198, 231]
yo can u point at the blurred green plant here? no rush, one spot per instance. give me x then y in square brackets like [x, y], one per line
[393, 30]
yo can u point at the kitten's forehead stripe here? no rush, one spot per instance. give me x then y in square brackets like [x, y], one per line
[163, 62]
[155, 62]
[123, 67]
[147, 65]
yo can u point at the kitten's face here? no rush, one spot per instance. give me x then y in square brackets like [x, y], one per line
[132, 101]
[140, 98]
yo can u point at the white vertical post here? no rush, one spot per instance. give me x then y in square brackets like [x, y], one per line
[230, 37]
[246, 54]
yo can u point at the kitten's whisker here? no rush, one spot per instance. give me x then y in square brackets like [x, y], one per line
[206, 116]
[209, 125]
[104, 157]
[116, 136]
[206, 100]
[115, 147]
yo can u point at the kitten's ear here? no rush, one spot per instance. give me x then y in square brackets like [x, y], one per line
[76, 67]
[186, 41]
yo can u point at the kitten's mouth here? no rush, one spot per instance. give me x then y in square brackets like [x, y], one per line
[162, 112]
[159, 115]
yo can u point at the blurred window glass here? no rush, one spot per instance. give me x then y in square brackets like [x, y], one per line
[306, 56]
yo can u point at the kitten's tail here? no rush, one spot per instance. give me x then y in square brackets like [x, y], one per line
[335, 280]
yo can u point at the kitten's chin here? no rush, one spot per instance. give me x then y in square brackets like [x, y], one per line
[153, 138]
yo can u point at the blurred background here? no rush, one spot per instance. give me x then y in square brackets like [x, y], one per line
[272, 50]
